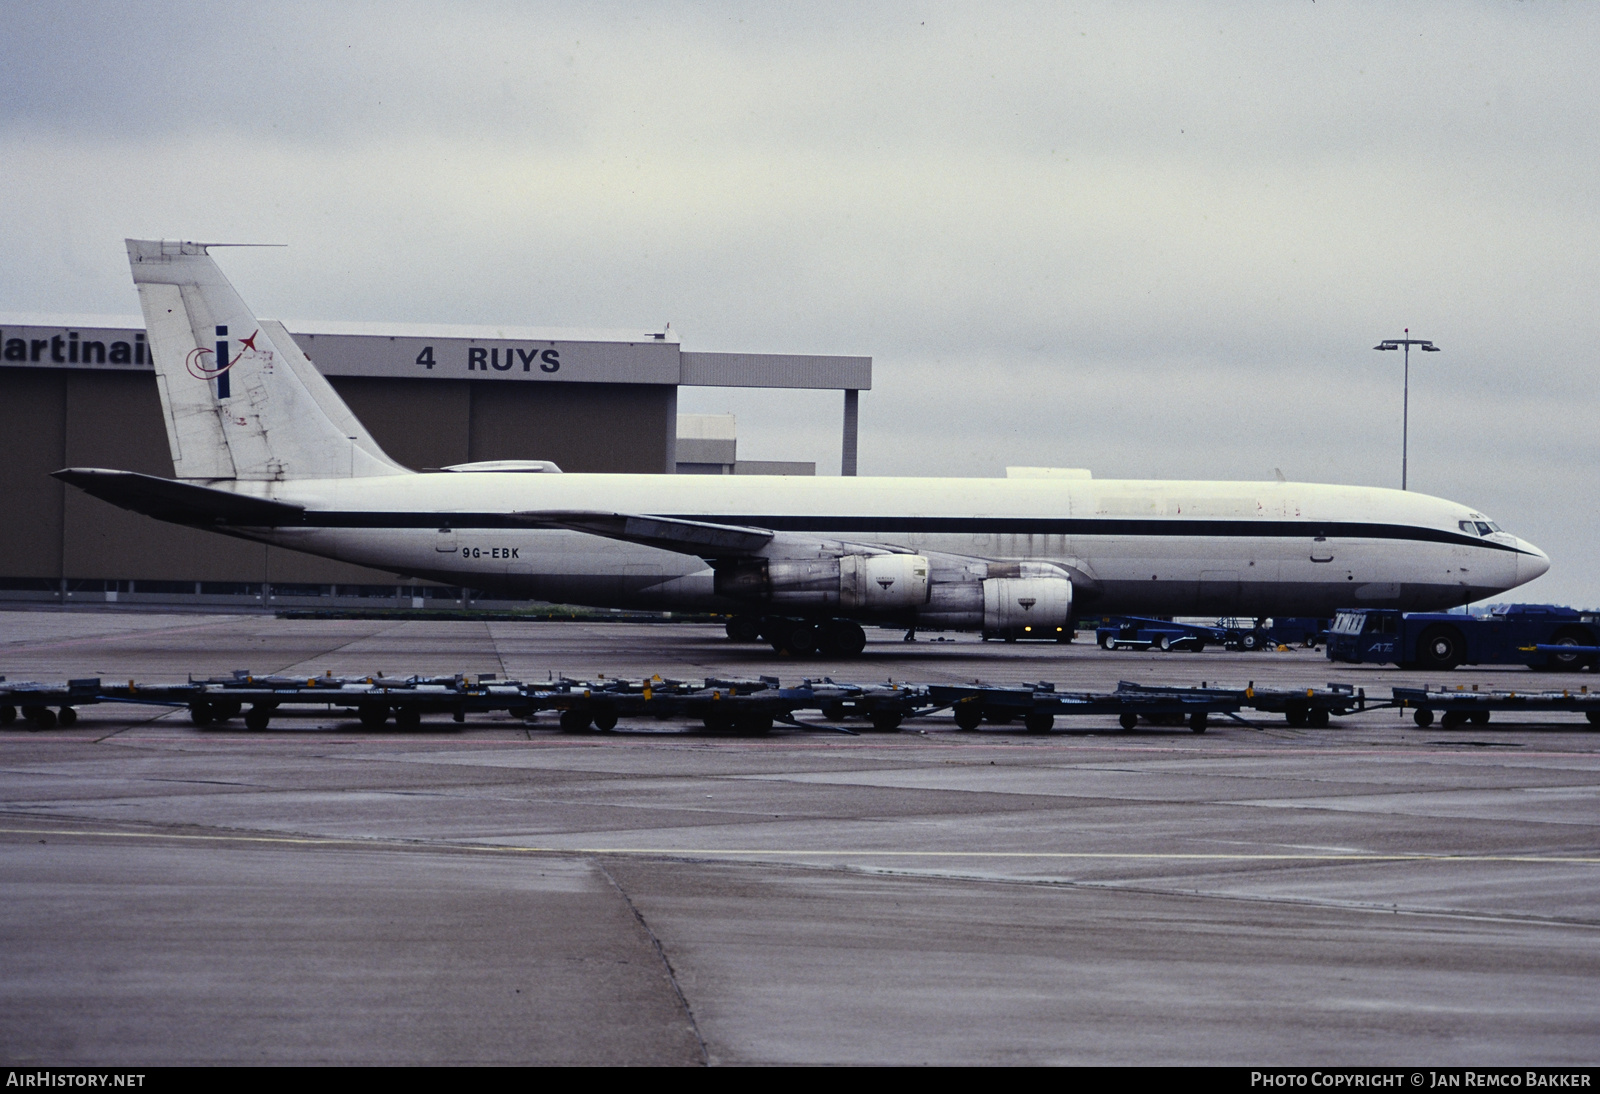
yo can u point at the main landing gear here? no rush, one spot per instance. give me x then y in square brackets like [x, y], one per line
[801, 637]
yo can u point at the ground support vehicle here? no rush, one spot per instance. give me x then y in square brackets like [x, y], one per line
[1133, 632]
[1038, 705]
[723, 706]
[1308, 706]
[1542, 636]
[1458, 706]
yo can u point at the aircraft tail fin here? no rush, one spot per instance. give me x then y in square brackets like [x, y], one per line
[241, 401]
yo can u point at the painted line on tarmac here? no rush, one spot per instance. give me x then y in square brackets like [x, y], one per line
[746, 852]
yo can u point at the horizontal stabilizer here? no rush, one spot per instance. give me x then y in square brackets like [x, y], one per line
[180, 502]
[689, 537]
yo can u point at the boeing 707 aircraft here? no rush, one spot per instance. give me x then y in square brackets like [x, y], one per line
[263, 448]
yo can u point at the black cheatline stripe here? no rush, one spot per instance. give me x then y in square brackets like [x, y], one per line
[884, 526]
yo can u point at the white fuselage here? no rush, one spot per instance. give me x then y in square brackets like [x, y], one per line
[1132, 547]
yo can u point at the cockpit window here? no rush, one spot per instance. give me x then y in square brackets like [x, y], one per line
[1478, 527]
[1468, 527]
[1485, 528]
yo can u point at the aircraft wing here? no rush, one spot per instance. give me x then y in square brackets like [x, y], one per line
[689, 537]
[180, 502]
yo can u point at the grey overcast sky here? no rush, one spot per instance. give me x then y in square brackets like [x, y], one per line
[1157, 240]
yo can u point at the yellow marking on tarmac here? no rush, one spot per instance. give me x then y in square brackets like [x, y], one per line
[1112, 856]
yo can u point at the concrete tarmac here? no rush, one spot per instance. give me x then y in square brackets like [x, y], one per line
[502, 892]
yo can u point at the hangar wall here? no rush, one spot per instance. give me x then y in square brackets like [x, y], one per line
[70, 418]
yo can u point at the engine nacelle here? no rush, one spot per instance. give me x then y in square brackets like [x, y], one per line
[869, 584]
[1013, 604]
[999, 597]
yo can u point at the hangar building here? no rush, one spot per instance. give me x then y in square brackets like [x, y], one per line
[79, 391]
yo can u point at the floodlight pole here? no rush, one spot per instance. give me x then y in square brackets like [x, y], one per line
[1405, 400]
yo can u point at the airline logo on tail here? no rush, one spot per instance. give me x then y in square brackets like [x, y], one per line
[201, 362]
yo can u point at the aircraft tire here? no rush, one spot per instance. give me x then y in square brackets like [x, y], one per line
[1423, 717]
[842, 638]
[776, 632]
[1039, 721]
[802, 639]
[1441, 648]
[970, 715]
[743, 628]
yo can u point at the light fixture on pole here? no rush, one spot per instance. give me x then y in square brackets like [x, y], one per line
[1405, 405]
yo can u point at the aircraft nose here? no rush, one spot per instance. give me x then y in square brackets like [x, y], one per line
[1531, 562]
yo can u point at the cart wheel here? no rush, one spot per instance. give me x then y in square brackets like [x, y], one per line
[1480, 717]
[68, 716]
[1038, 721]
[258, 717]
[885, 721]
[407, 717]
[1317, 717]
[1423, 717]
[1198, 721]
[969, 715]
[1128, 721]
[753, 725]
[605, 720]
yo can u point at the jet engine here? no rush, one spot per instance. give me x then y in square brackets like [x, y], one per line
[998, 597]
[868, 584]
